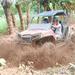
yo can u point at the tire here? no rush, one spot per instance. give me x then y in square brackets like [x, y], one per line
[45, 40]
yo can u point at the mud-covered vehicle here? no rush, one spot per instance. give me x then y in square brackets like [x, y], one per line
[43, 31]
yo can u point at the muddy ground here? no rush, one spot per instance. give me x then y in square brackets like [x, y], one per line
[43, 57]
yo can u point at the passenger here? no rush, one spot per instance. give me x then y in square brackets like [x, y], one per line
[56, 26]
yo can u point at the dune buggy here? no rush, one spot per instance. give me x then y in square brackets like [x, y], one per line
[41, 31]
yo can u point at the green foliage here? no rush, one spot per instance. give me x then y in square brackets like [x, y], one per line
[1, 11]
[34, 6]
[57, 4]
[13, 9]
[3, 25]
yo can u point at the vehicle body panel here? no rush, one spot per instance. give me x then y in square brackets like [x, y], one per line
[36, 33]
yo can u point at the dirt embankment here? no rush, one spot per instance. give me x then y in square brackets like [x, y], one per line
[42, 57]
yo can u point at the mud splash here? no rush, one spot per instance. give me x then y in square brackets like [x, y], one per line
[42, 57]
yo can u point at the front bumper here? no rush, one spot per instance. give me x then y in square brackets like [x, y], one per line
[28, 38]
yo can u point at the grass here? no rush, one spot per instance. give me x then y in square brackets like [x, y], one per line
[3, 25]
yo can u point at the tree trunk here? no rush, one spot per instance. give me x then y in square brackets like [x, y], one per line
[20, 15]
[13, 19]
[28, 16]
[45, 6]
[38, 9]
[9, 20]
[6, 4]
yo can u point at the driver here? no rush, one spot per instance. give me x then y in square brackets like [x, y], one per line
[45, 20]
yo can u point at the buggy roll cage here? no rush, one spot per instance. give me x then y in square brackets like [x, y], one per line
[51, 13]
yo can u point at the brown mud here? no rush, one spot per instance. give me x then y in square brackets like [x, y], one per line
[42, 57]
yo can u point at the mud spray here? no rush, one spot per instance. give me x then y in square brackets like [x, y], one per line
[42, 57]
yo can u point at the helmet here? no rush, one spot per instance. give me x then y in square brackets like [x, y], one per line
[55, 17]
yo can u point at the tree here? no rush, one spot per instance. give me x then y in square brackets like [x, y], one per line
[67, 5]
[18, 6]
[38, 8]
[45, 4]
[28, 15]
[13, 20]
[6, 4]
[28, 6]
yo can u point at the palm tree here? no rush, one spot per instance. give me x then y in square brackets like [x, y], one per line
[18, 6]
[13, 19]
[45, 4]
[27, 3]
[38, 8]
[28, 6]
[6, 4]
[28, 16]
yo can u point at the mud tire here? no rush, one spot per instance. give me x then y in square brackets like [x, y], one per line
[45, 40]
